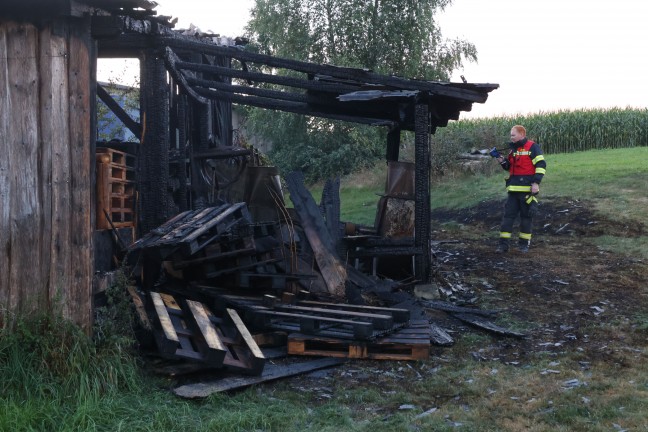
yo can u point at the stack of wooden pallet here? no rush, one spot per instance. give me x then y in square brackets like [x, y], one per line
[187, 329]
[115, 189]
[337, 329]
[224, 281]
[230, 331]
[221, 246]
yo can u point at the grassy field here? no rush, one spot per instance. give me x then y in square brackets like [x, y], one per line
[53, 379]
[615, 179]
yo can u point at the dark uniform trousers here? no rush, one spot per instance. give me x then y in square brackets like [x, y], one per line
[516, 204]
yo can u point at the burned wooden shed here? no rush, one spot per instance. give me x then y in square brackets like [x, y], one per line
[55, 177]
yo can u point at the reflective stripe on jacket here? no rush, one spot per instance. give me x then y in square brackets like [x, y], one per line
[526, 165]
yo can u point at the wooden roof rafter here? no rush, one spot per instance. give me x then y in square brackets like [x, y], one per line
[349, 94]
[205, 90]
[470, 92]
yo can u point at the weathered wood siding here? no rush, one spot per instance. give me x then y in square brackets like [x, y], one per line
[46, 169]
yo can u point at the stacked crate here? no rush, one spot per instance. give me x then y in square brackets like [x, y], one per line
[115, 189]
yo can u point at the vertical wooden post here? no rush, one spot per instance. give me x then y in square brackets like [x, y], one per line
[154, 155]
[422, 193]
[393, 144]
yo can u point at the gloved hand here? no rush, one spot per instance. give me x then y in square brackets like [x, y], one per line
[494, 153]
[532, 202]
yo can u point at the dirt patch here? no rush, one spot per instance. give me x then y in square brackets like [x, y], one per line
[566, 293]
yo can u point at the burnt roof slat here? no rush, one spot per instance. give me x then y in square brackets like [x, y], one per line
[203, 95]
[326, 96]
[115, 5]
[253, 91]
[287, 106]
[264, 77]
[459, 91]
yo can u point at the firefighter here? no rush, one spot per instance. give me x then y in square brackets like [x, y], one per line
[526, 166]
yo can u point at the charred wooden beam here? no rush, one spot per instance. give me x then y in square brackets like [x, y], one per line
[382, 251]
[399, 315]
[117, 5]
[253, 91]
[272, 372]
[182, 199]
[333, 271]
[422, 193]
[330, 206]
[339, 100]
[260, 77]
[154, 157]
[393, 144]
[297, 108]
[460, 91]
[121, 114]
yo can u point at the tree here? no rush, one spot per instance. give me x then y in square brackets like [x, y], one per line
[392, 37]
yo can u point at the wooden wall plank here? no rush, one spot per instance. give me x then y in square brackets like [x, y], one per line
[23, 141]
[79, 306]
[5, 178]
[46, 168]
[55, 163]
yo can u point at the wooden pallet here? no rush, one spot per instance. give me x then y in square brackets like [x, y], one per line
[115, 189]
[188, 329]
[317, 318]
[268, 278]
[116, 157]
[410, 343]
[222, 250]
[191, 231]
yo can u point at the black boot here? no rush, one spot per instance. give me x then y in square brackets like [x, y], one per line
[502, 246]
[523, 245]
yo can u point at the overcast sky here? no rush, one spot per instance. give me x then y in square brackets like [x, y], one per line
[546, 55]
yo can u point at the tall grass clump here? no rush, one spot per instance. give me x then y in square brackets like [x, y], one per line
[557, 132]
[46, 357]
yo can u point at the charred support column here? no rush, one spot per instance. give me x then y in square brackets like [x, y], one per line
[154, 155]
[182, 142]
[422, 193]
[393, 144]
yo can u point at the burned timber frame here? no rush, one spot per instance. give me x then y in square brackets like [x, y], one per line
[188, 83]
[204, 72]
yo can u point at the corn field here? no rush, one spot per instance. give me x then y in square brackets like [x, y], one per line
[557, 132]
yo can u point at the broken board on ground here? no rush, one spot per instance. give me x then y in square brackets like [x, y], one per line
[272, 372]
[480, 322]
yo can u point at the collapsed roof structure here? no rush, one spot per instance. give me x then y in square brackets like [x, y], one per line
[188, 83]
[209, 77]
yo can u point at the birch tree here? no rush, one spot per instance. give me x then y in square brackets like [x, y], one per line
[392, 37]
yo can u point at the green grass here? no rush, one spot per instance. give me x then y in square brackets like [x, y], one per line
[467, 395]
[52, 377]
[613, 180]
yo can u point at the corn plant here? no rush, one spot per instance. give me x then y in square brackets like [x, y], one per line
[557, 132]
